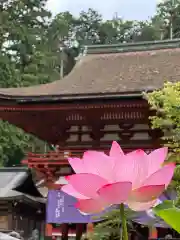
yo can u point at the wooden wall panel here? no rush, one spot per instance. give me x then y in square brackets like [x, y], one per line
[4, 222]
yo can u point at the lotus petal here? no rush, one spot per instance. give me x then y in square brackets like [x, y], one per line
[91, 206]
[139, 206]
[115, 193]
[77, 165]
[147, 193]
[116, 150]
[132, 168]
[99, 163]
[137, 153]
[162, 177]
[156, 158]
[86, 184]
[68, 188]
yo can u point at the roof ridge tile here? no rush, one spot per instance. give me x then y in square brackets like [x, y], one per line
[132, 47]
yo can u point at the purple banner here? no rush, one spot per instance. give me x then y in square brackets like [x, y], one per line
[61, 209]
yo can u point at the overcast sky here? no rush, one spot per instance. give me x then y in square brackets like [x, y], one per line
[128, 9]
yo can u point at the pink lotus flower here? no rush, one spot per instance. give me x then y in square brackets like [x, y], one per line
[135, 179]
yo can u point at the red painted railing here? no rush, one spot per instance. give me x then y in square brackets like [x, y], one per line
[58, 157]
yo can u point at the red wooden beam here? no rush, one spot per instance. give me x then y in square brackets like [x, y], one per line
[54, 107]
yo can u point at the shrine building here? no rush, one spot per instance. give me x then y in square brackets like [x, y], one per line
[99, 101]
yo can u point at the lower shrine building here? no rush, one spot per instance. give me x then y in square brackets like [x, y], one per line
[22, 207]
[99, 101]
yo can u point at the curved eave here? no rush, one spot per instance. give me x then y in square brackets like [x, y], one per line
[68, 97]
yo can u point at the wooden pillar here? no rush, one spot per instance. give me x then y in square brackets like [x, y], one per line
[153, 233]
[10, 216]
[48, 226]
[64, 231]
[90, 229]
[48, 231]
[79, 231]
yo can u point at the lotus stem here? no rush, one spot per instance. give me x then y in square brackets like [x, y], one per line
[124, 222]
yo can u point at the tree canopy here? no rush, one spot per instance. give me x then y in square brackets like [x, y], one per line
[166, 103]
[32, 44]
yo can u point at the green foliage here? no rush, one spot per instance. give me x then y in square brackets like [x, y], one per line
[169, 12]
[110, 227]
[61, 29]
[26, 27]
[166, 104]
[25, 59]
[9, 75]
[90, 28]
[169, 213]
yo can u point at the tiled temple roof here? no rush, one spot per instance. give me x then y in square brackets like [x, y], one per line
[112, 69]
